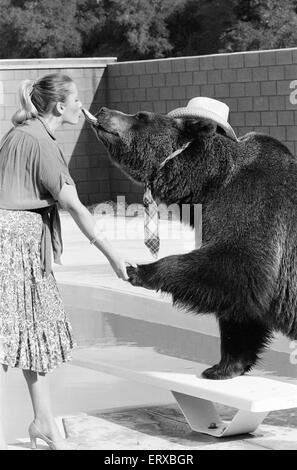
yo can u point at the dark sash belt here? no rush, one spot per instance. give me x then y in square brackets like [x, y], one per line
[51, 237]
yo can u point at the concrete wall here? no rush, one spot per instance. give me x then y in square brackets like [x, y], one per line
[88, 162]
[259, 88]
[255, 85]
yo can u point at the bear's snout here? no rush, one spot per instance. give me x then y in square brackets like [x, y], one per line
[102, 111]
[106, 122]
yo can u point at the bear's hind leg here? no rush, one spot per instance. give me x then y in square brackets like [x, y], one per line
[241, 343]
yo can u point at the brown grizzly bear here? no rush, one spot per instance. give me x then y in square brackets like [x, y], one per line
[246, 269]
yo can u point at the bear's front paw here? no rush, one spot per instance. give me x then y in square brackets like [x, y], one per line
[134, 277]
[223, 371]
[138, 277]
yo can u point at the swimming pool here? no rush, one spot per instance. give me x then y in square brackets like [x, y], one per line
[102, 317]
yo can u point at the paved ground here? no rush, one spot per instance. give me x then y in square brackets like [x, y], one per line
[158, 428]
[104, 412]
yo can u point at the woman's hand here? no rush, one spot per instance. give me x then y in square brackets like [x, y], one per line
[119, 264]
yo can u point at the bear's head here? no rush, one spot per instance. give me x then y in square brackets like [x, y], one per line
[139, 143]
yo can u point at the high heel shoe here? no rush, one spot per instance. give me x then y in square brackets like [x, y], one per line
[35, 434]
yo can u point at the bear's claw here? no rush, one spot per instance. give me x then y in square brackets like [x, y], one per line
[139, 277]
[133, 276]
[223, 371]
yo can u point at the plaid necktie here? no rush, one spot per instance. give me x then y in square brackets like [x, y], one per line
[151, 216]
[151, 222]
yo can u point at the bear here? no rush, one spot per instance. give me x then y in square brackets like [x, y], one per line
[245, 272]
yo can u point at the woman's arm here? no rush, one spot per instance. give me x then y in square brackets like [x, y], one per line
[69, 200]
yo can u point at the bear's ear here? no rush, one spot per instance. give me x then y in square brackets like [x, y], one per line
[195, 127]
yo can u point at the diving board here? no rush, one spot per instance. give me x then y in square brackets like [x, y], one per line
[253, 397]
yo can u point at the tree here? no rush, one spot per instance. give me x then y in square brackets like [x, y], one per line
[31, 28]
[62, 28]
[135, 29]
[143, 29]
[261, 24]
[196, 26]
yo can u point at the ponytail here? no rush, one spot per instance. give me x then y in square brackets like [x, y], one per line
[36, 98]
[26, 109]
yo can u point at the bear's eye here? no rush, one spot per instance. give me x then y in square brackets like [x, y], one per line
[142, 116]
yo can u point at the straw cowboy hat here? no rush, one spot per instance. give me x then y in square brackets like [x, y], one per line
[207, 108]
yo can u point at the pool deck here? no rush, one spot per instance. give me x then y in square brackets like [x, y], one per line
[100, 411]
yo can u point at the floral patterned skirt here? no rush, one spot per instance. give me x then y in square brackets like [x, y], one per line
[34, 331]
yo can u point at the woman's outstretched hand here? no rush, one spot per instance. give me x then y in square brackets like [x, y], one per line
[119, 265]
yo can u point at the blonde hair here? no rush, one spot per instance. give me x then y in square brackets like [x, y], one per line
[39, 96]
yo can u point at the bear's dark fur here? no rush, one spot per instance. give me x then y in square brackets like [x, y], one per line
[246, 269]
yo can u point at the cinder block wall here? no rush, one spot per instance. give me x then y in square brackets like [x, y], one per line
[88, 162]
[255, 85]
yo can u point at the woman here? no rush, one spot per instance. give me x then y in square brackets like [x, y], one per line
[35, 334]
